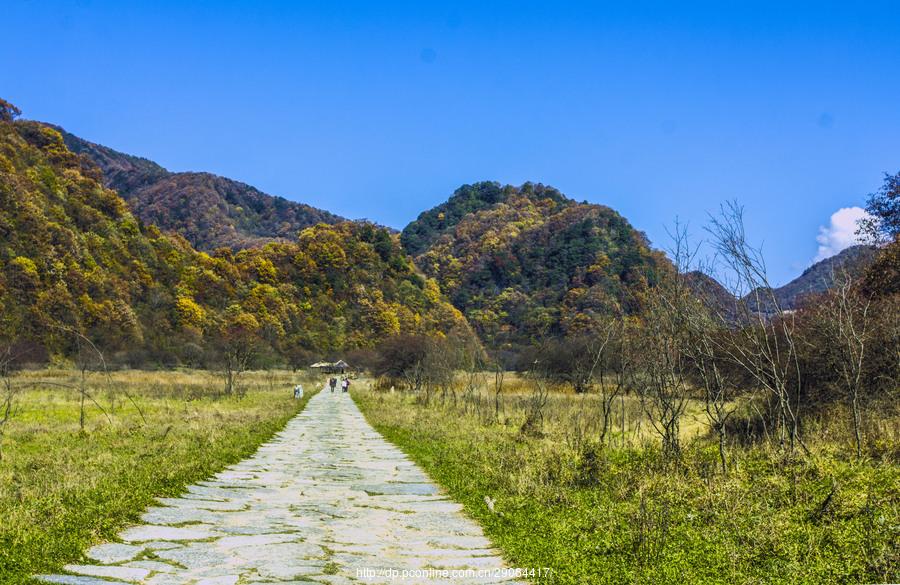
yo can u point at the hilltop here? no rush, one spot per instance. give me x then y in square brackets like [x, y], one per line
[525, 263]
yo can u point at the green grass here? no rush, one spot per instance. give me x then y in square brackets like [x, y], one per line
[602, 514]
[62, 490]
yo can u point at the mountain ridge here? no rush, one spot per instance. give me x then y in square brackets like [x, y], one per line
[74, 260]
[818, 277]
[210, 210]
[815, 279]
[154, 192]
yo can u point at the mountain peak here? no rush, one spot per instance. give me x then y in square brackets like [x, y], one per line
[527, 262]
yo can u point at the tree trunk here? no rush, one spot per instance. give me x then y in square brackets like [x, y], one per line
[856, 424]
[722, 459]
[83, 392]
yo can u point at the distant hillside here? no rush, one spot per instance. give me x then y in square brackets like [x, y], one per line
[816, 279]
[713, 295]
[820, 276]
[210, 211]
[526, 262]
[74, 258]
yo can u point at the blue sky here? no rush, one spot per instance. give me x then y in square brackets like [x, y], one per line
[380, 110]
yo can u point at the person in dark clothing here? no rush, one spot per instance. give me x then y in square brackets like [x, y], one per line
[333, 383]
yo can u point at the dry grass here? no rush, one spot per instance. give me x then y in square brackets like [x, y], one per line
[568, 416]
[607, 513]
[149, 434]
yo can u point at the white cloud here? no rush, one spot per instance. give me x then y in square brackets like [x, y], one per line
[841, 233]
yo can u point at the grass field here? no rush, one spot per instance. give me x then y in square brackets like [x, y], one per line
[62, 489]
[618, 513]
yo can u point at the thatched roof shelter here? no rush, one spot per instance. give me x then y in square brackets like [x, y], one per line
[339, 366]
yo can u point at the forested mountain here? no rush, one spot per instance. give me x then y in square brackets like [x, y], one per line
[74, 260]
[210, 211]
[520, 264]
[524, 263]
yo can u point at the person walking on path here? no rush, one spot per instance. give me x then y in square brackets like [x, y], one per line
[345, 385]
[333, 383]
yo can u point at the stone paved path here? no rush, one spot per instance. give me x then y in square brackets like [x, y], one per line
[327, 500]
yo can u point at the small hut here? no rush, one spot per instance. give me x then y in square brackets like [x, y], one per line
[338, 367]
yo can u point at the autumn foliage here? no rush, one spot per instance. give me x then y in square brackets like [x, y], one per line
[526, 263]
[74, 257]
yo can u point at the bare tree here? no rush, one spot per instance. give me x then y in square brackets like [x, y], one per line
[662, 376]
[402, 358]
[439, 369]
[414, 375]
[583, 356]
[88, 358]
[537, 400]
[470, 359]
[569, 361]
[499, 373]
[236, 360]
[579, 362]
[708, 369]
[238, 344]
[614, 367]
[764, 339]
[847, 323]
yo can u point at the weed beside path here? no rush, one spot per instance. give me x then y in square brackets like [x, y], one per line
[603, 514]
[62, 490]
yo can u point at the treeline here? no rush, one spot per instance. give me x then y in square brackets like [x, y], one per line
[77, 268]
[762, 372]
